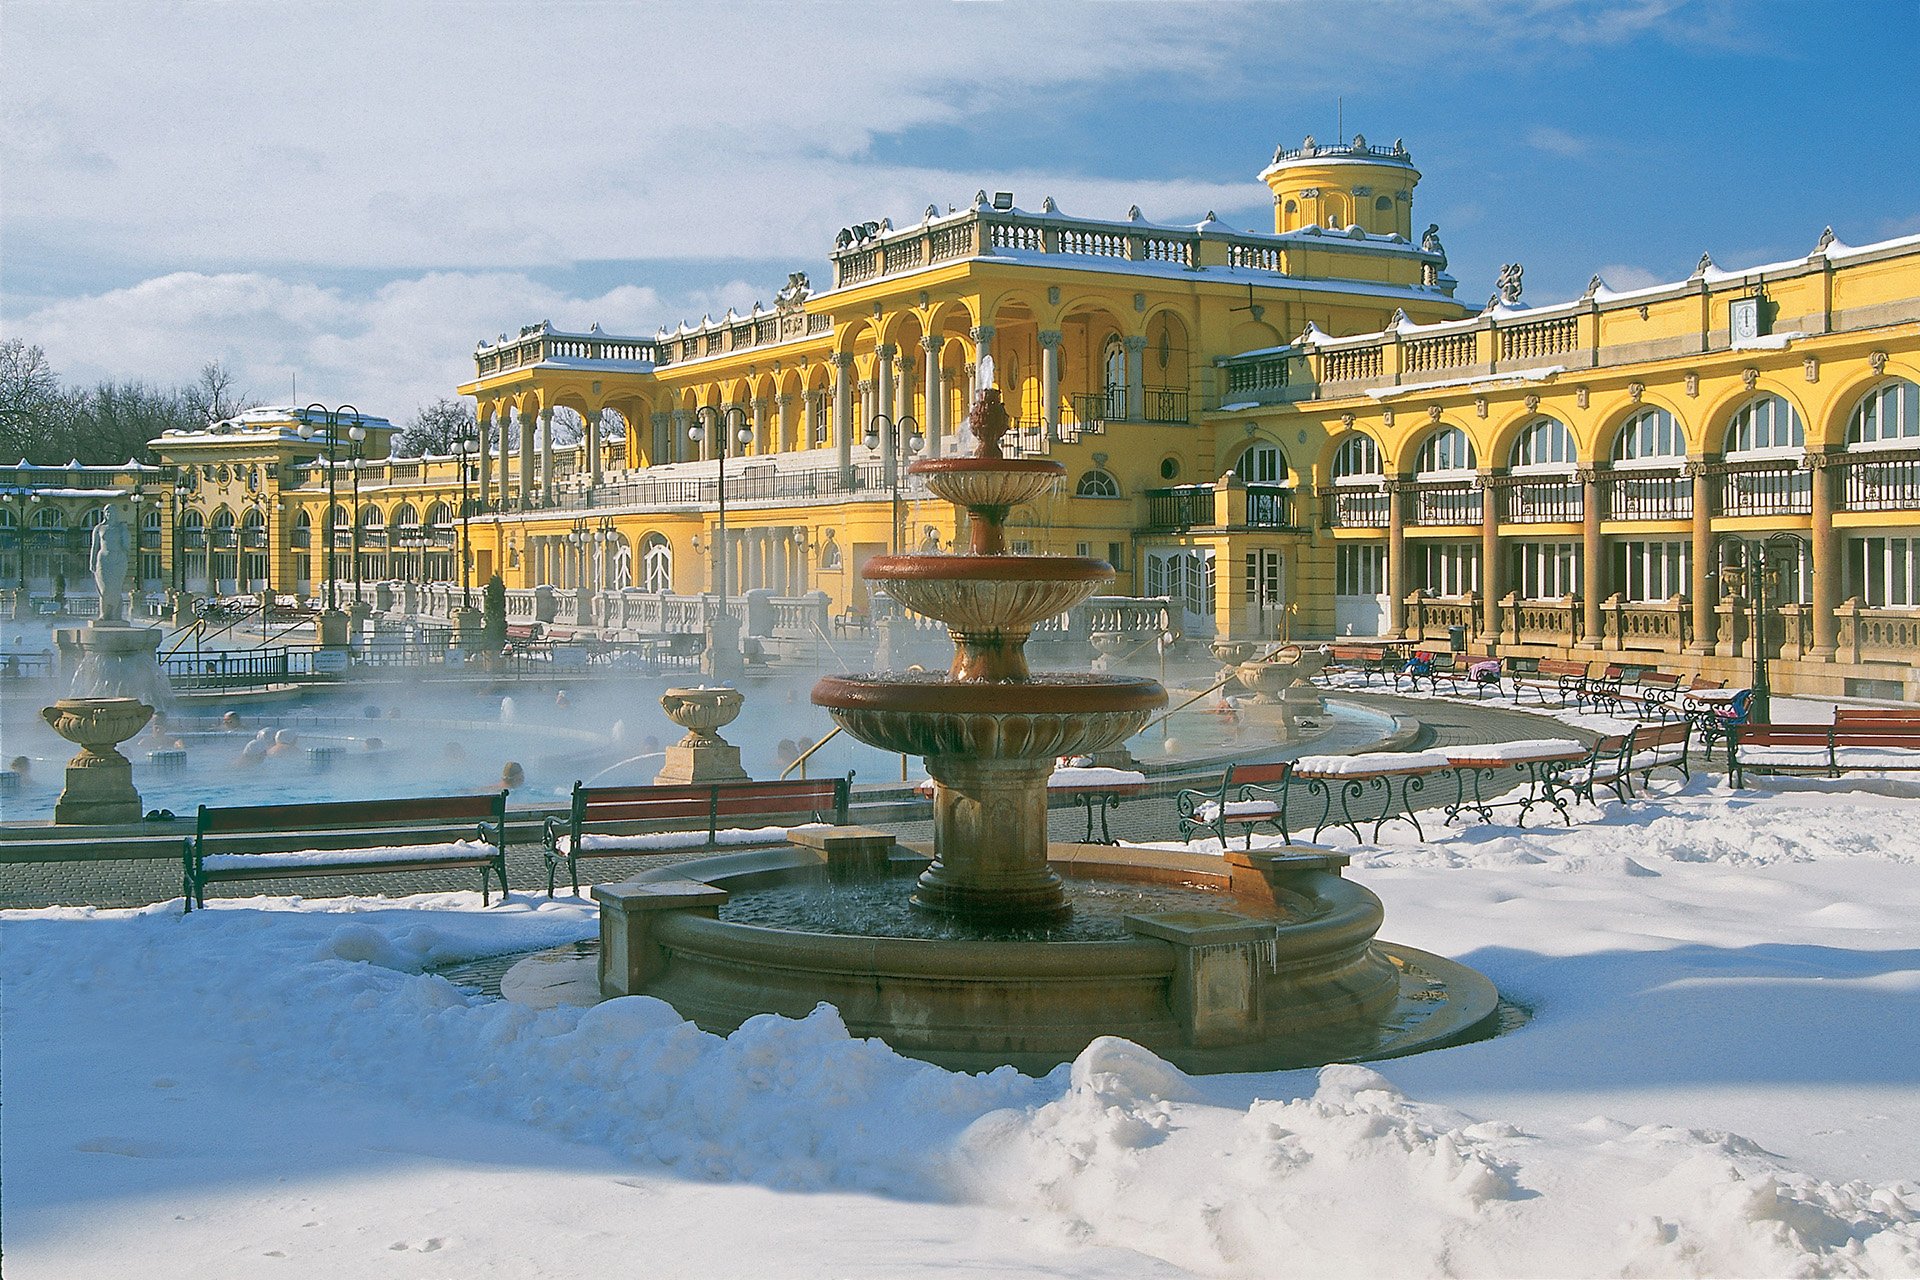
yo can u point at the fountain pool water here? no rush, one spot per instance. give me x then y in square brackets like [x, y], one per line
[992, 946]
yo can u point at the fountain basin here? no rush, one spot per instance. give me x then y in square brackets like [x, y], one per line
[1286, 974]
[989, 484]
[988, 593]
[925, 714]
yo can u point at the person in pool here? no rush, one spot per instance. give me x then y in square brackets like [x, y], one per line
[512, 775]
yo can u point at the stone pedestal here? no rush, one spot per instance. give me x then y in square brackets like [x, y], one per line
[1221, 962]
[99, 779]
[468, 626]
[703, 755]
[357, 615]
[330, 629]
[722, 658]
[990, 838]
[853, 853]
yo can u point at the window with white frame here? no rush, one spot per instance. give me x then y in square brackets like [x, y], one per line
[1360, 569]
[1261, 464]
[1448, 568]
[1651, 571]
[1096, 484]
[1650, 438]
[1446, 452]
[1886, 416]
[1357, 461]
[1544, 445]
[1766, 424]
[1882, 573]
[1546, 570]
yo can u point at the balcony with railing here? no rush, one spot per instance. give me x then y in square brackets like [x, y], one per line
[1541, 500]
[1358, 506]
[1636, 495]
[1187, 506]
[1444, 502]
[1269, 506]
[1879, 481]
[1763, 489]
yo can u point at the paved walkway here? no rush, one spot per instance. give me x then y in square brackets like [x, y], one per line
[139, 882]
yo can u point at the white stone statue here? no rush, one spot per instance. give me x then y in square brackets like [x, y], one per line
[107, 558]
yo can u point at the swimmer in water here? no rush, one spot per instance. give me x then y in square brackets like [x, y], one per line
[512, 775]
[285, 742]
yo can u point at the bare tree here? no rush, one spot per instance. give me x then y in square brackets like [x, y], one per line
[31, 406]
[434, 429]
[212, 397]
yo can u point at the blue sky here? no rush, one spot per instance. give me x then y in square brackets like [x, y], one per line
[351, 194]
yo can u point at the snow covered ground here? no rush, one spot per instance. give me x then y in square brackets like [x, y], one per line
[1721, 1076]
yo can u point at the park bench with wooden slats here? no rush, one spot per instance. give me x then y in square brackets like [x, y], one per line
[1566, 679]
[1661, 746]
[1605, 766]
[1249, 796]
[346, 837]
[647, 819]
[1829, 749]
[1369, 661]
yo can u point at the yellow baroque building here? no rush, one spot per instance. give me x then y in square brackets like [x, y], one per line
[1298, 431]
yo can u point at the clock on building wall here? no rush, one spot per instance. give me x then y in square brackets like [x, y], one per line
[1744, 319]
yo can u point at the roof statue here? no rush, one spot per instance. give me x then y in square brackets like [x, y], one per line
[1508, 283]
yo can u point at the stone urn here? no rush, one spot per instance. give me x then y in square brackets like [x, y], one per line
[1265, 680]
[99, 779]
[702, 755]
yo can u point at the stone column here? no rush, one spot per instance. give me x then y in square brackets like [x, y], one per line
[593, 446]
[903, 388]
[485, 435]
[883, 376]
[784, 436]
[1593, 568]
[843, 413]
[546, 457]
[982, 348]
[1701, 574]
[932, 410]
[760, 417]
[1396, 556]
[1136, 345]
[678, 445]
[1491, 585]
[526, 461]
[1826, 561]
[1050, 381]
[809, 410]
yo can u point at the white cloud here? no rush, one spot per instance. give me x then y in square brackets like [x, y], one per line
[1559, 142]
[388, 351]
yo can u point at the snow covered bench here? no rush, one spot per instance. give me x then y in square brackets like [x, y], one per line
[1566, 679]
[1353, 776]
[1813, 748]
[677, 818]
[346, 837]
[1249, 796]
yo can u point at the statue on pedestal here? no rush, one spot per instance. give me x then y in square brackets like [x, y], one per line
[107, 559]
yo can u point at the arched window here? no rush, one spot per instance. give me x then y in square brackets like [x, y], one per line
[439, 516]
[1262, 464]
[1767, 424]
[302, 529]
[372, 518]
[1888, 415]
[1357, 461]
[406, 518]
[7, 519]
[253, 528]
[1290, 207]
[1383, 204]
[1096, 484]
[340, 521]
[93, 518]
[50, 518]
[656, 564]
[223, 528]
[1114, 367]
[1650, 437]
[193, 524]
[1544, 445]
[1446, 452]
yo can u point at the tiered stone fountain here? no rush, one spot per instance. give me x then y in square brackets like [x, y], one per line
[989, 730]
[1007, 949]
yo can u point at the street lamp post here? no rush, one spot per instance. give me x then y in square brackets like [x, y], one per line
[462, 447]
[1760, 564]
[331, 419]
[711, 419]
[902, 445]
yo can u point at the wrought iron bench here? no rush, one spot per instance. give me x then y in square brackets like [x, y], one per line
[1249, 796]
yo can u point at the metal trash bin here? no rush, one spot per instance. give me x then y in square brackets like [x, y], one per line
[1457, 639]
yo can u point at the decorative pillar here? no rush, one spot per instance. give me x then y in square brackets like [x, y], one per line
[843, 413]
[1396, 556]
[1593, 567]
[546, 457]
[809, 413]
[1826, 560]
[883, 375]
[932, 410]
[903, 388]
[1050, 381]
[485, 423]
[784, 436]
[593, 447]
[1136, 345]
[1704, 617]
[526, 460]
[1492, 586]
[760, 441]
